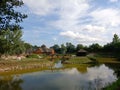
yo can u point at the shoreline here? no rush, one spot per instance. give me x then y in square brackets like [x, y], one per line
[13, 66]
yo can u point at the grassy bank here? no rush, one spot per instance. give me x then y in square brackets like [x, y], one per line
[107, 60]
[24, 65]
[78, 60]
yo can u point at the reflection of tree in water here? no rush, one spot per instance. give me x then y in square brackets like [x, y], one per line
[10, 83]
[82, 70]
[115, 67]
[96, 84]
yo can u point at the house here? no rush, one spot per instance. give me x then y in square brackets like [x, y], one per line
[44, 50]
[81, 52]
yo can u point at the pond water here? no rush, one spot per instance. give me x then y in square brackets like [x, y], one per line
[63, 79]
[58, 64]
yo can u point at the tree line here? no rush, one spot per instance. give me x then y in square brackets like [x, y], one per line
[69, 48]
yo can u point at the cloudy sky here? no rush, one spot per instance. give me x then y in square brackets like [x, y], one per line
[77, 21]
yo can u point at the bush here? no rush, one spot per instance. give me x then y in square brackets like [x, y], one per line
[32, 56]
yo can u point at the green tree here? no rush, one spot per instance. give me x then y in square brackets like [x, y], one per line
[10, 30]
[35, 47]
[11, 42]
[79, 46]
[114, 47]
[70, 48]
[63, 49]
[115, 39]
[108, 47]
[56, 47]
[95, 47]
[28, 48]
[9, 17]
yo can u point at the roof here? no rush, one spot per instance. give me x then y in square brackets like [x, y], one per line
[82, 50]
[45, 49]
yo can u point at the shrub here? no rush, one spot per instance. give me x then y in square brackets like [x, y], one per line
[32, 56]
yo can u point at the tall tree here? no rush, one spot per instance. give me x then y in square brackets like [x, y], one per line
[11, 42]
[10, 30]
[9, 17]
[115, 39]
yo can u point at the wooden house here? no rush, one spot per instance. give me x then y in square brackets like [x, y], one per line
[44, 50]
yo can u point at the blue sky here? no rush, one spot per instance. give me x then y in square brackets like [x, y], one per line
[52, 22]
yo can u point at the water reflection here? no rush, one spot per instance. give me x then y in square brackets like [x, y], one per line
[10, 83]
[69, 79]
[58, 64]
[115, 67]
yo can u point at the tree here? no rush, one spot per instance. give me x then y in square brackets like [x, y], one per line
[35, 47]
[108, 47]
[115, 39]
[28, 48]
[11, 42]
[70, 48]
[79, 46]
[10, 30]
[9, 17]
[63, 49]
[95, 47]
[56, 47]
[114, 46]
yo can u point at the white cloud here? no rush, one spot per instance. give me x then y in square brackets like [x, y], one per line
[78, 20]
[44, 7]
[83, 38]
[93, 28]
[41, 7]
[113, 0]
[106, 17]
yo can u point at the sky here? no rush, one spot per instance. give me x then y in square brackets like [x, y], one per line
[84, 22]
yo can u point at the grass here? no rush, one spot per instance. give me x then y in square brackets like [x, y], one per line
[103, 58]
[24, 65]
[23, 71]
[79, 60]
[107, 60]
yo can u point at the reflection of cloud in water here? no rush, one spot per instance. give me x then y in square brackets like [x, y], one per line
[58, 65]
[101, 72]
[70, 79]
[72, 71]
[98, 77]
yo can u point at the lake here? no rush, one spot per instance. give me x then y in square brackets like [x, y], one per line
[94, 78]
